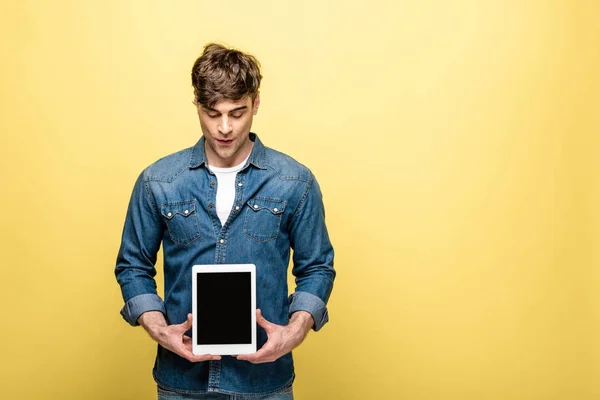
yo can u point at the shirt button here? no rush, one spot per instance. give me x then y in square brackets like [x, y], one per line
[255, 206]
[240, 184]
[275, 210]
[186, 212]
[210, 205]
[237, 208]
[221, 241]
[169, 214]
[212, 184]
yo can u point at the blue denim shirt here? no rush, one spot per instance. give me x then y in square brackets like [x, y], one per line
[278, 206]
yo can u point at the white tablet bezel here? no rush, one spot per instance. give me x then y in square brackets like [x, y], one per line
[223, 349]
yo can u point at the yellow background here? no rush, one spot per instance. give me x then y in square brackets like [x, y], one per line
[456, 143]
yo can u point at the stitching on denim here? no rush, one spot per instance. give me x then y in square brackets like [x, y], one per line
[149, 197]
[274, 391]
[238, 199]
[176, 203]
[269, 199]
[185, 241]
[286, 178]
[128, 312]
[214, 370]
[278, 215]
[214, 219]
[195, 165]
[191, 210]
[292, 178]
[167, 180]
[257, 158]
[302, 201]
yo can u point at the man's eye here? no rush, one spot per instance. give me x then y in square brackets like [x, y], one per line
[236, 115]
[213, 115]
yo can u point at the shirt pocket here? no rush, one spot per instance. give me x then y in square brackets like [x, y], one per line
[182, 221]
[263, 218]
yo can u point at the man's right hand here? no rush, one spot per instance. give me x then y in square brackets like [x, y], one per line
[172, 337]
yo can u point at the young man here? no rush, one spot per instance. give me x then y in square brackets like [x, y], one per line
[226, 200]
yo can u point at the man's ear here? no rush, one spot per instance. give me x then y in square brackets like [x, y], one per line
[256, 103]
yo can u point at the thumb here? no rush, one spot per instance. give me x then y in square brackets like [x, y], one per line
[262, 322]
[187, 324]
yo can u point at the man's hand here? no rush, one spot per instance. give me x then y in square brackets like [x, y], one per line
[280, 339]
[172, 337]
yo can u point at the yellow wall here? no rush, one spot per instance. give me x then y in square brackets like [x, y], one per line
[456, 143]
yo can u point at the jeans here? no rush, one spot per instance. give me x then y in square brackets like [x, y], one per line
[284, 394]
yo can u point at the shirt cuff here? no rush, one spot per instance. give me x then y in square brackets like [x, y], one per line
[304, 301]
[140, 304]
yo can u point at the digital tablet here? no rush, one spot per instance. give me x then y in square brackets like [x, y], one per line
[224, 309]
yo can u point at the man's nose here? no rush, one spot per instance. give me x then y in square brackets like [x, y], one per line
[225, 125]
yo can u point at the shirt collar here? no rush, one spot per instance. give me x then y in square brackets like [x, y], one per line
[257, 156]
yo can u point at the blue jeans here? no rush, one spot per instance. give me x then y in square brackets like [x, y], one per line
[284, 394]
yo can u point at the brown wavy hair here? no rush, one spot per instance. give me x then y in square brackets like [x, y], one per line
[224, 73]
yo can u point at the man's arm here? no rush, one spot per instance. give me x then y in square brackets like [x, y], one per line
[313, 268]
[281, 338]
[135, 271]
[172, 337]
[313, 257]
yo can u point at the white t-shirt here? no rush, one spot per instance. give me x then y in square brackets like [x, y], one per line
[226, 188]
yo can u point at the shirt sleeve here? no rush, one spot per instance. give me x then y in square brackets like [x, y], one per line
[135, 267]
[313, 257]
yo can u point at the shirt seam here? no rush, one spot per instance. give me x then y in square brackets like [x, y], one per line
[303, 200]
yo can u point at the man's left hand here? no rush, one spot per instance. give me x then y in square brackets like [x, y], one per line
[280, 339]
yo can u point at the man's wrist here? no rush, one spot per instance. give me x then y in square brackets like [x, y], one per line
[302, 322]
[153, 322]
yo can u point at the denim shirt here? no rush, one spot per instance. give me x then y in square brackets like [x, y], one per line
[278, 206]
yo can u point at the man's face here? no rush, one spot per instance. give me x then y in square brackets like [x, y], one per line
[226, 128]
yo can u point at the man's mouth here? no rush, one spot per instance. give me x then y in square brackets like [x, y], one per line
[224, 142]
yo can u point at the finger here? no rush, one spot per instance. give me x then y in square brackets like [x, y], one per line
[199, 358]
[261, 356]
[204, 357]
[185, 351]
[267, 353]
[187, 324]
[183, 348]
[190, 356]
[262, 321]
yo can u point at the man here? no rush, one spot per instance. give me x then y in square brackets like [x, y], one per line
[226, 200]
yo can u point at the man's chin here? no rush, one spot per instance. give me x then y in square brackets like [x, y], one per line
[225, 155]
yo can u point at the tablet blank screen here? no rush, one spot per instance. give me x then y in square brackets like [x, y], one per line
[224, 308]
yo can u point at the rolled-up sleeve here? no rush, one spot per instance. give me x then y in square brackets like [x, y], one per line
[140, 242]
[140, 304]
[313, 257]
[303, 301]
